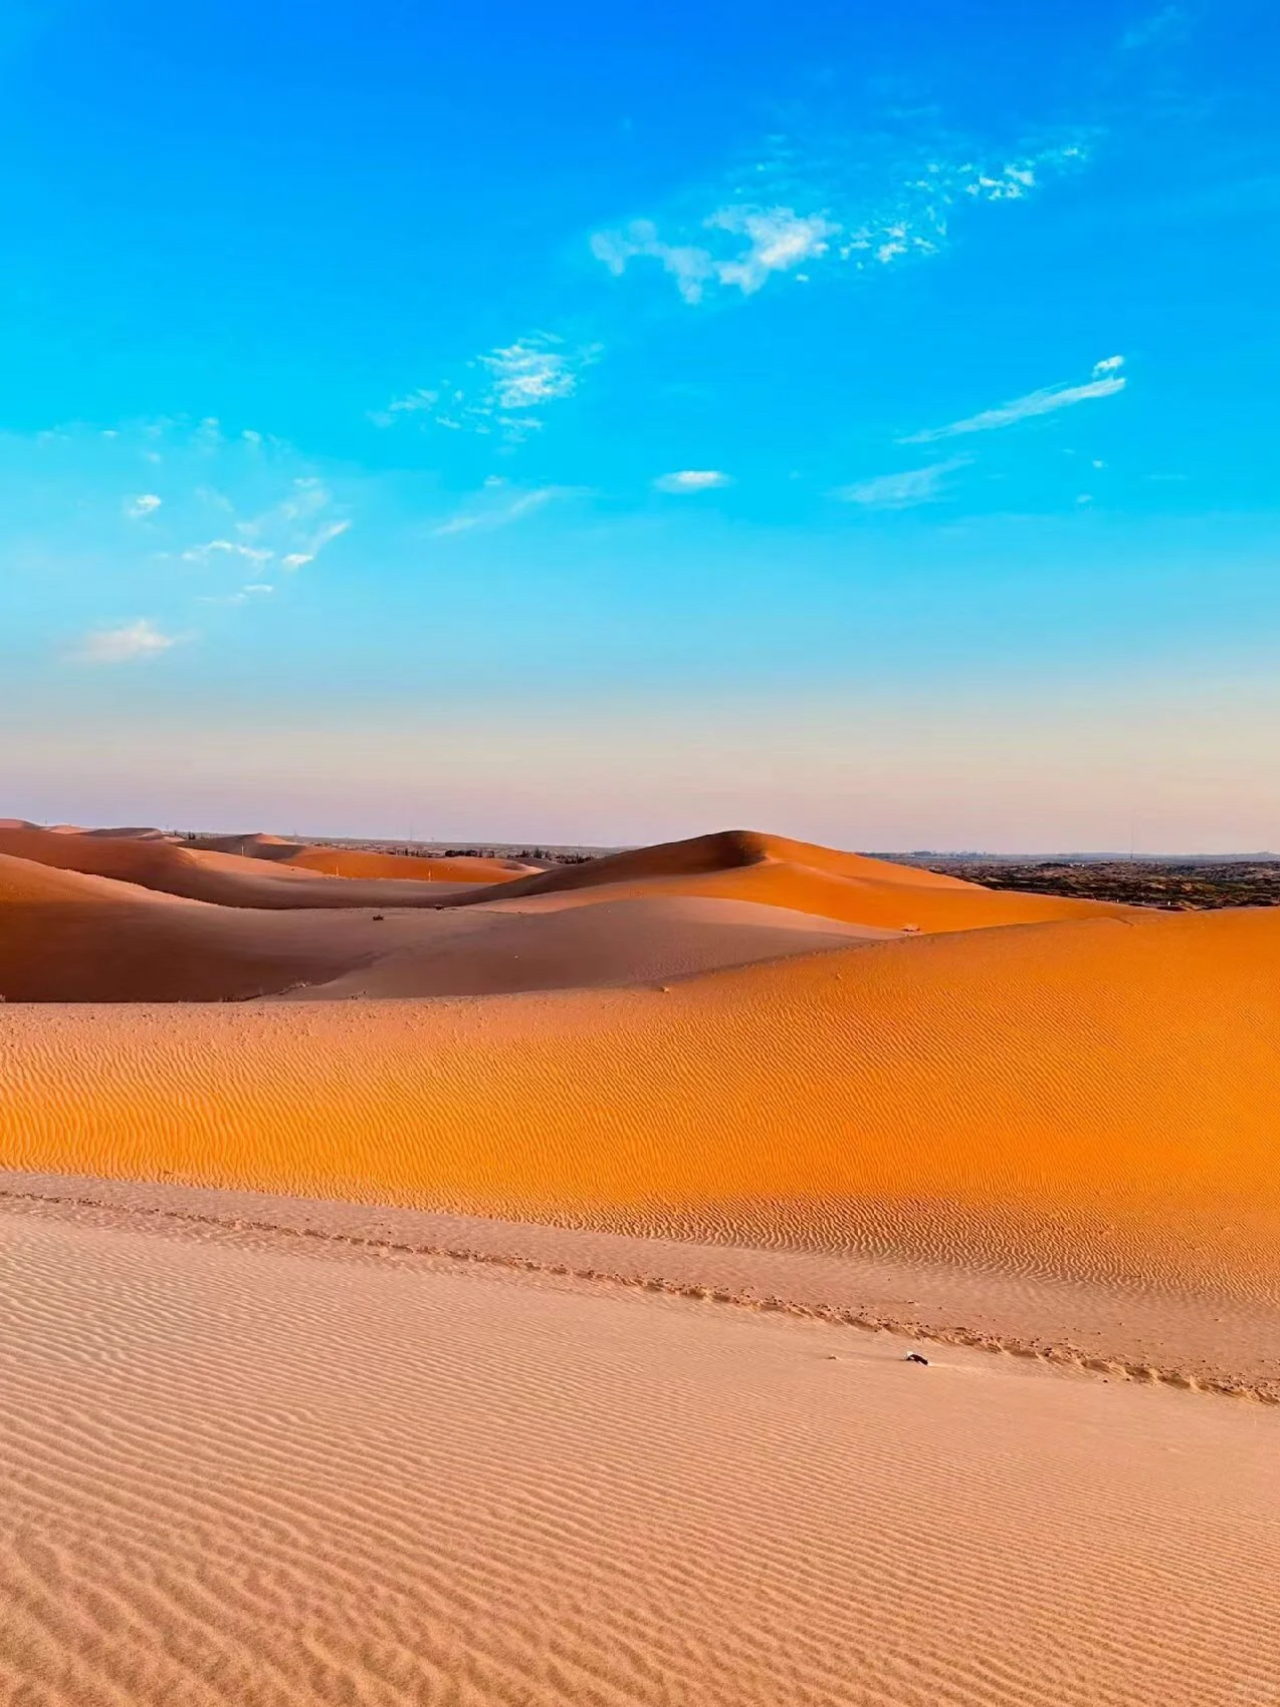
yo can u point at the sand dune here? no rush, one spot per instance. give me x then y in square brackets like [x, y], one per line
[66, 936]
[743, 865]
[236, 1468]
[69, 937]
[1094, 1096]
[223, 879]
[637, 941]
[1099, 1097]
[356, 862]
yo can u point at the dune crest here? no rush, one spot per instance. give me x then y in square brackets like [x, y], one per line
[747, 866]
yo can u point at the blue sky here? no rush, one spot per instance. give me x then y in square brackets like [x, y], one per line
[590, 423]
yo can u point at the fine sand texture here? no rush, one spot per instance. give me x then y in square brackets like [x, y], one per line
[246, 1468]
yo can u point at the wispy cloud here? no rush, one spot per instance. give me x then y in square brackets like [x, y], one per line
[1106, 383]
[145, 504]
[254, 589]
[124, 645]
[1171, 23]
[692, 480]
[773, 240]
[489, 514]
[901, 491]
[895, 207]
[503, 390]
[288, 533]
[228, 548]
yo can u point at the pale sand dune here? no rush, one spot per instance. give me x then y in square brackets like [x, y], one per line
[1097, 1099]
[746, 866]
[241, 1470]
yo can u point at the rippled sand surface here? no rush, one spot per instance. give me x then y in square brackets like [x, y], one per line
[239, 1467]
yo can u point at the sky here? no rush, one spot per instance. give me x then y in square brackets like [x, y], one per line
[597, 424]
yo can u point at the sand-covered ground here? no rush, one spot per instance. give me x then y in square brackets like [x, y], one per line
[247, 1468]
[680, 1083]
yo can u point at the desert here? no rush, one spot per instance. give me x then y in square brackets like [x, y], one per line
[730, 1270]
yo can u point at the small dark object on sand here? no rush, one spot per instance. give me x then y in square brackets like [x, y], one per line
[378, 918]
[915, 1357]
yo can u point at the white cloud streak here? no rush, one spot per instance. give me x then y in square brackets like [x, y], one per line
[145, 504]
[901, 491]
[692, 480]
[1045, 402]
[127, 644]
[501, 515]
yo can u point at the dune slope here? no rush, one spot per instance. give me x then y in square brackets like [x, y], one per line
[1102, 1097]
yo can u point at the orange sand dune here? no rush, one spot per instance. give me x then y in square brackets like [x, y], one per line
[69, 937]
[743, 865]
[256, 844]
[356, 862]
[224, 879]
[1099, 1096]
[239, 1468]
[352, 862]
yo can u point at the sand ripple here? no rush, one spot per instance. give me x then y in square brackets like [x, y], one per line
[234, 1472]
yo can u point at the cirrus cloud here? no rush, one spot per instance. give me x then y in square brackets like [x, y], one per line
[126, 644]
[1107, 381]
[901, 491]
